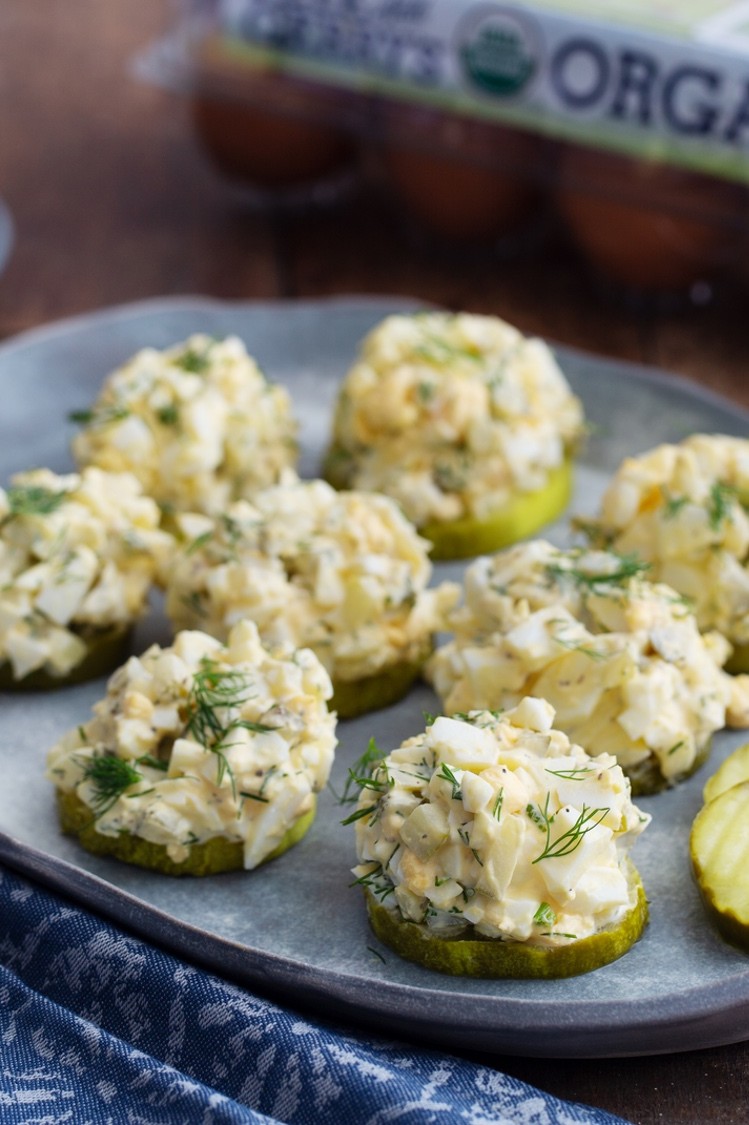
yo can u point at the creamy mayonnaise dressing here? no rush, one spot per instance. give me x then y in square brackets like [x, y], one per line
[499, 823]
[229, 741]
[452, 415]
[620, 658]
[78, 555]
[343, 573]
[198, 424]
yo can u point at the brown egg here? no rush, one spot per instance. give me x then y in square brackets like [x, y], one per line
[465, 179]
[266, 128]
[646, 224]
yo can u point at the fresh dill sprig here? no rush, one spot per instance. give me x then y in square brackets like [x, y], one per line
[363, 767]
[722, 498]
[498, 802]
[578, 774]
[214, 690]
[572, 837]
[630, 566]
[110, 777]
[195, 361]
[33, 500]
[447, 775]
[545, 915]
[100, 415]
[672, 505]
[168, 415]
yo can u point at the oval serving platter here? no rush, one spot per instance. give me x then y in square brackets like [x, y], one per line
[295, 929]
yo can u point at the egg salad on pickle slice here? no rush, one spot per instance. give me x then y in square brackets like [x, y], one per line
[683, 509]
[201, 758]
[491, 846]
[198, 424]
[620, 658]
[78, 556]
[469, 425]
[343, 573]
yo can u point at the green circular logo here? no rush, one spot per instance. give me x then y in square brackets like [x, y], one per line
[497, 51]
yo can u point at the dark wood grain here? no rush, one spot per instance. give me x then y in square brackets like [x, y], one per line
[113, 200]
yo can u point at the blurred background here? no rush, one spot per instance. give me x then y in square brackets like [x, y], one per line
[143, 153]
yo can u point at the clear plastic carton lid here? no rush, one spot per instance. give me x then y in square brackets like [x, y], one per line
[666, 79]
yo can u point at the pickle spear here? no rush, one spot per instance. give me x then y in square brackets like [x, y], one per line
[719, 849]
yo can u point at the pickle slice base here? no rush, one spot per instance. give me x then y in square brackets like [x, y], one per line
[647, 779]
[525, 514]
[719, 850]
[211, 857]
[478, 956]
[104, 652]
[352, 698]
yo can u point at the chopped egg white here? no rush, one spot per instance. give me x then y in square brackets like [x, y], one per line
[497, 824]
[452, 415]
[343, 573]
[198, 424]
[620, 658]
[230, 741]
[78, 555]
[681, 507]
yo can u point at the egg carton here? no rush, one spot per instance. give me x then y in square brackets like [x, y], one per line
[628, 119]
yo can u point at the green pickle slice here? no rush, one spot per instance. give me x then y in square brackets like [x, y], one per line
[719, 850]
[647, 779]
[467, 537]
[104, 652]
[525, 514]
[733, 771]
[211, 857]
[352, 698]
[479, 956]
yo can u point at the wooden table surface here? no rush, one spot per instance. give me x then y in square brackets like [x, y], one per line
[113, 201]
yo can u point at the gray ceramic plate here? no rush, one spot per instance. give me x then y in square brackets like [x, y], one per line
[295, 929]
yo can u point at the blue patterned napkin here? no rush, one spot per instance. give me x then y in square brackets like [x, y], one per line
[98, 1027]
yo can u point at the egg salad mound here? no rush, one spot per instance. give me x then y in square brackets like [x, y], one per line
[490, 845]
[198, 424]
[620, 658]
[343, 573]
[466, 423]
[683, 509]
[78, 555]
[202, 757]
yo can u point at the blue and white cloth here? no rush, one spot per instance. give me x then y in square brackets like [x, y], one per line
[99, 1027]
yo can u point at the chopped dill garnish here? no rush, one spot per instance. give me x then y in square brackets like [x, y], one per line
[677, 746]
[630, 566]
[110, 777]
[363, 767]
[578, 774]
[195, 361]
[672, 505]
[198, 542]
[360, 814]
[722, 497]
[377, 954]
[168, 415]
[154, 763]
[498, 802]
[447, 775]
[545, 915]
[100, 415]
[572, 837]
[33, 500]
